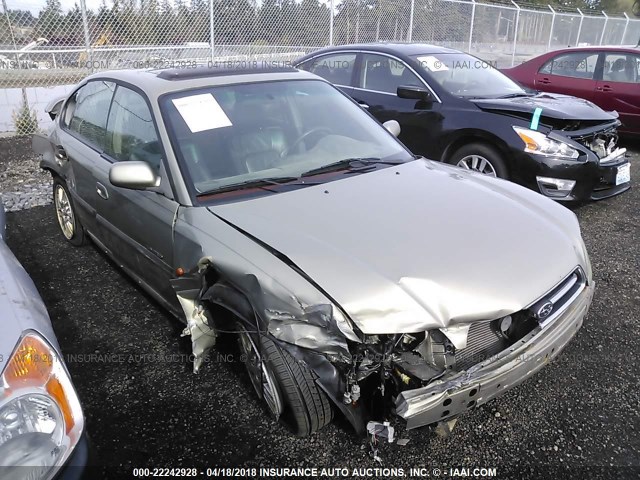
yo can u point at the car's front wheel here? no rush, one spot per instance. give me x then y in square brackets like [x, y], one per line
[286, 385]
[480, 158]
[68, 220]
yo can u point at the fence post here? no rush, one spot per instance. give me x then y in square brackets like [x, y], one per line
[553, 21]
[410, 34]
[357, 21]
[579, 27]
[515, 34]
[331, 6]
[212, 32]
[606, 19]
[87, 39]
[624, 32]
[13, 38]
[473, 19]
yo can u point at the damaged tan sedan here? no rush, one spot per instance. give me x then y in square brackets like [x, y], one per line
[358, 277]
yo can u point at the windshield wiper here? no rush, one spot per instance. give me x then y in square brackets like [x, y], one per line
[266, 183]
[349, 164]
[263, 183]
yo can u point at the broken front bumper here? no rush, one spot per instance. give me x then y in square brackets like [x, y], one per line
[490, 379]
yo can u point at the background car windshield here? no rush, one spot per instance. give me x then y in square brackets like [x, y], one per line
[241, 133]
[466, 76]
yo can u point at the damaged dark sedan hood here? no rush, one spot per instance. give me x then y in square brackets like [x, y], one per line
[418, 246]
[556, 106]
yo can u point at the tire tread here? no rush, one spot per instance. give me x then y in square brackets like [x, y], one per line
[310, 409]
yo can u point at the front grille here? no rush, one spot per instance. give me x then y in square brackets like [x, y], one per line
[560, 297]
[483, 341]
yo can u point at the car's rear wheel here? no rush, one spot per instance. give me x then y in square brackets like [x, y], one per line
[286, 385]
[480, 158]
[68, 221]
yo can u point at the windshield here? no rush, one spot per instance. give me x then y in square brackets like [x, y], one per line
[466, 76]
[240, 134]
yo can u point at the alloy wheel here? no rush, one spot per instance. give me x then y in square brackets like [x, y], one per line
[261, 377]
[477, 163]
[64, 212]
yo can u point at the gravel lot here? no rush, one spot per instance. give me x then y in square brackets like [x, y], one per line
[579, 417]
[22, 183]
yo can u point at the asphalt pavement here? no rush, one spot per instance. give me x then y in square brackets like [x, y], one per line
[579, 417]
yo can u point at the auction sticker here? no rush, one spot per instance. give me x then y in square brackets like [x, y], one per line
[201, 112]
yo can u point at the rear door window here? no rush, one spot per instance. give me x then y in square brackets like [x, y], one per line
[86, 112]
[621, 67]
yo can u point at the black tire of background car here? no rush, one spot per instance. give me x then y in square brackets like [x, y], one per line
[486, 151]
[79, 237]
[306, 407]
[635, 9]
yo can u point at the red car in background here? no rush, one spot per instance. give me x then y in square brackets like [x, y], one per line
[607, 76]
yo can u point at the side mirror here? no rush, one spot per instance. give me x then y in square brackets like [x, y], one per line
[393, 127]
[133, 175]
[414, 92]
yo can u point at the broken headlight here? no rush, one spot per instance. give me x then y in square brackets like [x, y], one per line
[540, 144]
[40, 416]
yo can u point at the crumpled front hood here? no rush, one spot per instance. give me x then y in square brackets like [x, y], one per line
[561, 107]
[418, 246]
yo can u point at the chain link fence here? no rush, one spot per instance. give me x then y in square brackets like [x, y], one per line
[45, 47]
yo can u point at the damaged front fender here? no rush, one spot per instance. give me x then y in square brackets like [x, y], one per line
[312, 327]
[312, 334]
[315, 329]
[305, 317]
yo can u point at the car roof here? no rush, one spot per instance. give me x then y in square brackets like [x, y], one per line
[391, 48]
[157, 82]
[604, 48]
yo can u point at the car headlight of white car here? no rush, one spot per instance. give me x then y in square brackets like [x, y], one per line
[41, 419]
[540, 144]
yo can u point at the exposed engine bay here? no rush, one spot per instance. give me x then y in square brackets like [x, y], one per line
[602, 142]
[386, 365]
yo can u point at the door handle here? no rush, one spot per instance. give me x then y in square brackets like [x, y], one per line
[60, 154]
[605, 88]
[544, 81]
[102, 190]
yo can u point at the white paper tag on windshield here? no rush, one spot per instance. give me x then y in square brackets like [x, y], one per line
[201, 112]
[432, 64]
